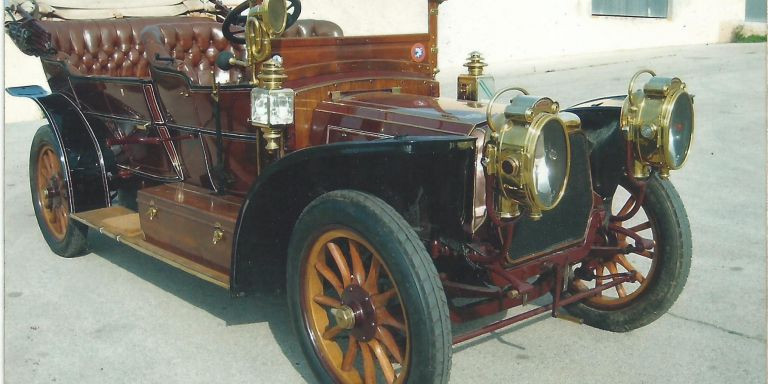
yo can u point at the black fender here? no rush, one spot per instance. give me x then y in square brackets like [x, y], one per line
[85, 166]
[428, 179]
[601, 122]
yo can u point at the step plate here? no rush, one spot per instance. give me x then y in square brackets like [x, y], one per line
[122, 224]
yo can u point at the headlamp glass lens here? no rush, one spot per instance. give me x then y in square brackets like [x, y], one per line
[550, 163]
[680, 130]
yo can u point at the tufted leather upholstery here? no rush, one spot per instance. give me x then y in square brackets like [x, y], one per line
[313, 28]
[194, 46]
[103, 47]
[126, 47]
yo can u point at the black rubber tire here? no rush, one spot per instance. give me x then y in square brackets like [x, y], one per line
[404, 256]
[75, 241]
[674, 249]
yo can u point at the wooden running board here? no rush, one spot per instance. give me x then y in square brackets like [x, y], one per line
[123, 225]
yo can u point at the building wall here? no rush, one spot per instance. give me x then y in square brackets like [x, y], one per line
[506, 32]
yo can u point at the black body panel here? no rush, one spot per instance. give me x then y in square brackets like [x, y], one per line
[567, 222]
[428, 179]
[86, 162]
[600, 121]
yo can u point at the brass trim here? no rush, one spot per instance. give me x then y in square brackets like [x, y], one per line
[218, 234]
[344, 316]
[511, 151]
[646, 118]
[152, 211]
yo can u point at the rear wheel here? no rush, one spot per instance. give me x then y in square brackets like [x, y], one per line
[50, 197]
[661, 271]
[365, 298]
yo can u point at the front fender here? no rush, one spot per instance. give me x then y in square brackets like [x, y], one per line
[427, 179]
[600, 121]
[84, 161]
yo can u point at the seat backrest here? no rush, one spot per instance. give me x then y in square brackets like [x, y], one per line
[313, 28]
[114, 47]
[194, 47]
[109, 47]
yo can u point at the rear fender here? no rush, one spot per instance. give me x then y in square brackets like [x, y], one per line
[601, 121]
[85, 167]
[418, 176]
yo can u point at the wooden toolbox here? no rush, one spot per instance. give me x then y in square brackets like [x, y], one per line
[191, 222]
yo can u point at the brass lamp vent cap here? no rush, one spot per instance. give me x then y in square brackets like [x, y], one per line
[271, 75]
[475, 63]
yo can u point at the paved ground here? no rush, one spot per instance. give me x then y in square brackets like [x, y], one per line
[115, 316]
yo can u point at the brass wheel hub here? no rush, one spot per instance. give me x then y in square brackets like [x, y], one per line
[345, 317]
[51, 192]
[51, 195]
[361, 310]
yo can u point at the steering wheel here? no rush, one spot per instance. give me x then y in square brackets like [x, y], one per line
[234, 17]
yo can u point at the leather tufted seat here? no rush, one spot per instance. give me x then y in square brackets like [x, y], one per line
[103, 47]
[194, 47]
[313, 28]
[121, 47]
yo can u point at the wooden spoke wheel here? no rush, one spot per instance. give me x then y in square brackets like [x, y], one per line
[365, 295]
[642, 264]
[352, 307]
[50, 196]
[660, 270]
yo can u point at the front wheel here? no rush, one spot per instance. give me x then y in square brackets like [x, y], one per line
[661, 271]
[365, 298]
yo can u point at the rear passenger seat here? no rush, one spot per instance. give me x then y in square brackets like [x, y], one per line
[195, 46]
[127, 47]
[109, 47]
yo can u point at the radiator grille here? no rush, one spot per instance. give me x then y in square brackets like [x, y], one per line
[566, 223]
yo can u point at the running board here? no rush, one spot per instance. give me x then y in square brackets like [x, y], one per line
[123, 225]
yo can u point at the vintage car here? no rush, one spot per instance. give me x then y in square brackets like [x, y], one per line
[234, 143]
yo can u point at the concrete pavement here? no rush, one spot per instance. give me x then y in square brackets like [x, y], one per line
[116, 316]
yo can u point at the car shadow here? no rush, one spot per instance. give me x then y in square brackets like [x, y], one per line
[499, 335]
[267, 304]
[257, 307]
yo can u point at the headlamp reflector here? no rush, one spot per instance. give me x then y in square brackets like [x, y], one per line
[530, 153]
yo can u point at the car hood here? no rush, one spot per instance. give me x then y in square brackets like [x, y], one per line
[394, 114]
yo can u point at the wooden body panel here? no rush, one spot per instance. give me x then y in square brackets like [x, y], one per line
[169, 104]
[306, 60]
[370, 116]
[184, 222]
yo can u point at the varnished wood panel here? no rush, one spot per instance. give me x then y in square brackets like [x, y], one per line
[185, 222]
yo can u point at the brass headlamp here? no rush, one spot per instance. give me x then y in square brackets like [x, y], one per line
[529, 153]
[659, 121]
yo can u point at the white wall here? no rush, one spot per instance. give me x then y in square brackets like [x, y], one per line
[370, 17]
[20, 69]
[508, 33]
